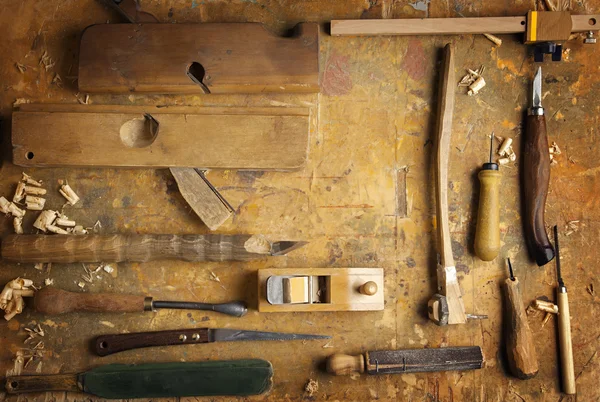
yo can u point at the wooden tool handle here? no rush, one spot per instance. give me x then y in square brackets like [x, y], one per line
[340, 364]
[522, 358]
[51, 300]
[38, 383]
[566, 346]
[487, 234]
[132, 248]
[108, 344]
[536, 178]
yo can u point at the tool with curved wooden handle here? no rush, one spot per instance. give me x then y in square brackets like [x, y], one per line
[520, 348]
[51, 300]
[140, 248]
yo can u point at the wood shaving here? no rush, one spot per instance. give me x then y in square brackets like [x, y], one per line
[57, 80]
[214, 277]
[471, 77]
[49, 282]
[20, 101]
[546, 319]
[590, 289]
[81, 284]
[311, 387]
[83, 100]
[108, 269]
[18, 224]
[29, 180]
[18, 365]
[56, 229]
[11, 297]
[21, 67]
[70, 195]
[572, 227]
[46, 61]
[496, 40]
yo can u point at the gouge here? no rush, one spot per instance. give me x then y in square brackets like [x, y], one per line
[487, 232]
[51, 300]
[156, 380]
[140, 248]
[520, 348]
[567, 367]
[105, 345]
[535, 178]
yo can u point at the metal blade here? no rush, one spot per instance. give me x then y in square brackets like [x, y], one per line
[223, 334]
[284, 247]
[537, 89]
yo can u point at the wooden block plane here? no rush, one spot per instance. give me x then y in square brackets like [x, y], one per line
[198, 58]
[320, 289]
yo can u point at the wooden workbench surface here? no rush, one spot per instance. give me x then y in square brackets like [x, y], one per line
[364, 199]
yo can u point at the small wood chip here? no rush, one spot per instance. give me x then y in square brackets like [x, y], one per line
[21, 67]
[311, 387]
[67, 192]
[496, 40]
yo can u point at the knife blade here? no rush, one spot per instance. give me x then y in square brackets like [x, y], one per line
[105, 345]
[156, 380]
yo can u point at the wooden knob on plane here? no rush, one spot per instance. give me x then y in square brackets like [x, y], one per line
[369, 288]
[340, 364]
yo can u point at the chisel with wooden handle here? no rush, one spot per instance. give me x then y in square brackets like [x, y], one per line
[156, 380]
[520, 348]
[50, 300]
[535, 178]
[407, 361]
[140, 248]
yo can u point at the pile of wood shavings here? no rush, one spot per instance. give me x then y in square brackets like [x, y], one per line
[11, 298]
[473, 80]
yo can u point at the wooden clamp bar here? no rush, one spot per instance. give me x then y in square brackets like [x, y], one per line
[456, 26]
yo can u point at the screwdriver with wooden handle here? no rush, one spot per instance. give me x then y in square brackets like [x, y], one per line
[567, 367]
[520, 348]
[487, 233]
[50, 300]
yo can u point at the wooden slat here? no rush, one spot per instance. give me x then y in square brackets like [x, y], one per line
[449, 26]
[183, 140]
[236, 58]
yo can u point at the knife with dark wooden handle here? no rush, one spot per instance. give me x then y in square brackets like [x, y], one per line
[536, 178]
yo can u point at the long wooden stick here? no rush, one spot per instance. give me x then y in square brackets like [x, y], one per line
[446, 272]
[139, 248]
[449, 26]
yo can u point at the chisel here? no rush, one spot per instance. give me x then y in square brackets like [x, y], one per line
[156, 380]
[105, 345]
[520, 348]
[140, 248]
[567, 367]
[50, 300]
[487, 232]
[408, 361]
[535, 178]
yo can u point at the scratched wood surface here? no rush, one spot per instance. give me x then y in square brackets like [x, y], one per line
[364, 198]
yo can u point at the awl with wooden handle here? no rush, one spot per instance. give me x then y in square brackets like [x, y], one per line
[535, 178]
[567, 367]
[50, 300]
[487, 232]
[156, 380]
[520, 348]
[407, 361]
[140, 248]
[105, 345]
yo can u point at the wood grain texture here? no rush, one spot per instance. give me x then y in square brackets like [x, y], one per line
[535, 179]
[105, 345]
[520, 346]
[37, 383]
[50, 300]
[181, 140]
[129, 248]
[424, 360]
[202, 197]
[235, 57]
[487, 232]
[344, 289]
[451, 26]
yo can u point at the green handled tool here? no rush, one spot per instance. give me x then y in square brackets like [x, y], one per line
[156, 380]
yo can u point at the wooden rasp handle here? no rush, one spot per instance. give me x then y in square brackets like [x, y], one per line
[520, 348]
[105, 345]
[535, 181]
[131, 248]
[51, 300]
[39, 383]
